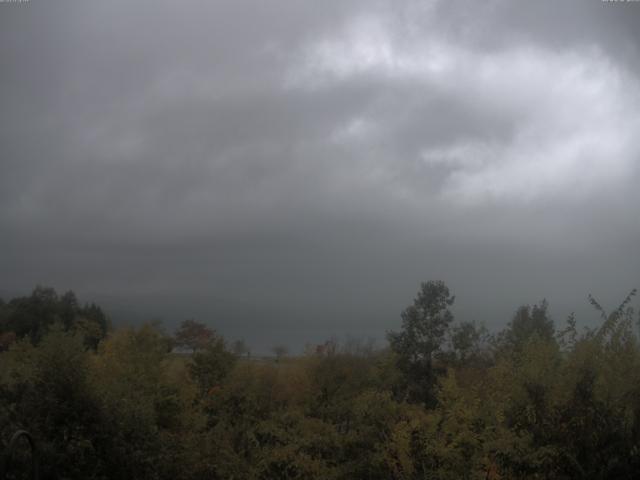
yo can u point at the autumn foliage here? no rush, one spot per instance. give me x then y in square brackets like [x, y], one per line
[445, 399]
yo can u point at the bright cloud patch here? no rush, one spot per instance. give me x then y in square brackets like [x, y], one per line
[575, 113]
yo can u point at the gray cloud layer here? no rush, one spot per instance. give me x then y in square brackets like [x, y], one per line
[294, 170]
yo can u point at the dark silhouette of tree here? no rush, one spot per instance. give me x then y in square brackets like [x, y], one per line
[424, 326]
[193, 335]
[467, 342]
[211, 364]
[34, 315]
[529, 321]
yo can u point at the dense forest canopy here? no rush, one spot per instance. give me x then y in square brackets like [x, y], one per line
[446, 399]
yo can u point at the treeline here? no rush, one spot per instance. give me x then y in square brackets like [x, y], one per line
[444, 400]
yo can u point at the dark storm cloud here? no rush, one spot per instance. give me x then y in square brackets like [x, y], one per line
[301, 167]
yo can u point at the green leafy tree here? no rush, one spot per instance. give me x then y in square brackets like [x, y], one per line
[527, 322]
[46, 390]
[468, 343]
[211, 364]
[141, 404]
[33, 316]
[424, 327]
[92, 323]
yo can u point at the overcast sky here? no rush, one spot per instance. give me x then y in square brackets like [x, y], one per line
[288, 170]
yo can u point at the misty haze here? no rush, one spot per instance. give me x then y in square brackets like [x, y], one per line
[337, 240]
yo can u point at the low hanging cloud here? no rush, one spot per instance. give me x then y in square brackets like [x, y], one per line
[572, 114]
